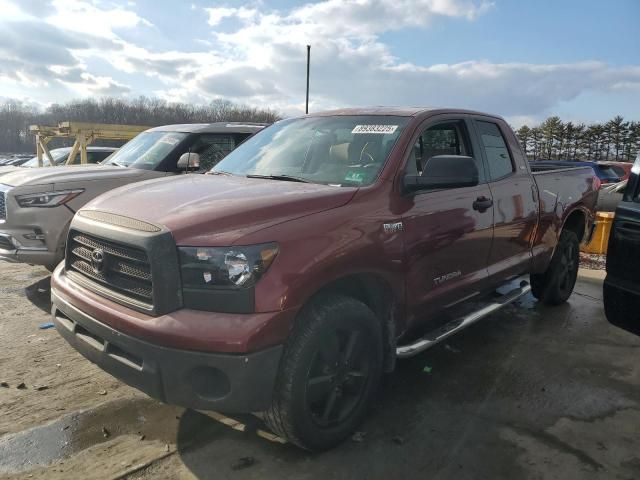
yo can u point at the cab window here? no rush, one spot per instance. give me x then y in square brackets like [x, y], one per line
[495, 148]
[212, 148]
[449, 138]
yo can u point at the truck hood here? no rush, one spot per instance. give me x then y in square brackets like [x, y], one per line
[216, 210]
[17, 176]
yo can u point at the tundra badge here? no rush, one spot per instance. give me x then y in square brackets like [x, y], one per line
[393, 227]
[447, 276]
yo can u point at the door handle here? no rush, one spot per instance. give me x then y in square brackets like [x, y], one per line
[482, 204]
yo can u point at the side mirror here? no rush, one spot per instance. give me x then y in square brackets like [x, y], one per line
[444, 171]
[189, 161]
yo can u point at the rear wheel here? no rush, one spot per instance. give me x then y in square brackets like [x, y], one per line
[329, 373]
[555, 286]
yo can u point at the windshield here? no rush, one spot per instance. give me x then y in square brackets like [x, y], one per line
[147, 150]
[58, 155]
[340, 150]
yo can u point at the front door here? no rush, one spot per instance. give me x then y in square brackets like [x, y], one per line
[448, 232]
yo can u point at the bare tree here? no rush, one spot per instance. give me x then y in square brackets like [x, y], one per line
[15, 117]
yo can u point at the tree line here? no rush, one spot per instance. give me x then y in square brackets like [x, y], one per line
[615, 140]
[16, 116]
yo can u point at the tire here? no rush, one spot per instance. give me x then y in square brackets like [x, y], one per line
[322, 392]
[555, 286]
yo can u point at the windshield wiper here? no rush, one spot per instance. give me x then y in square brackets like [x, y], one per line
[117, 164]
[219, 172]
[286, 178]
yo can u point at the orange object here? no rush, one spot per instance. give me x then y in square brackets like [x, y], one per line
[600, 239]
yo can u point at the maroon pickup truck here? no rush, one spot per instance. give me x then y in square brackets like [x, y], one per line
[312, 257]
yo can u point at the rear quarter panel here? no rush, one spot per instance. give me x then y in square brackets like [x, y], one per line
[561, 192]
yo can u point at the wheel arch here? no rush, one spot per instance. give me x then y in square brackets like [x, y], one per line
[576, 221]
[376, 293]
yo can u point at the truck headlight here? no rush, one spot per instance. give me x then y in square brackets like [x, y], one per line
[47, 199]
[231, 267]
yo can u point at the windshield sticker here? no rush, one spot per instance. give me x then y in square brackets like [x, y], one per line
[382, 129]
[354, 177]
[169, 140]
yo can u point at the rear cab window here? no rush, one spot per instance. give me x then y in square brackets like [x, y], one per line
[495, 148]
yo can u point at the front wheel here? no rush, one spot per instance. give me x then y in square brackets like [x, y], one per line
[555, 286]
[329, 373]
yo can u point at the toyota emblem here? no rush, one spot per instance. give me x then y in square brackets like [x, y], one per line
[97, 260]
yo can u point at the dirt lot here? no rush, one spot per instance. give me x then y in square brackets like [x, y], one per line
[530, 392]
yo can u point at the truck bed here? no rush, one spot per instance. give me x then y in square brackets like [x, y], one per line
[560, 191]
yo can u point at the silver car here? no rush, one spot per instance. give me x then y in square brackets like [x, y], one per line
[37, 204]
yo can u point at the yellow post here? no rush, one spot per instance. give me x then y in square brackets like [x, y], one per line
[73, 153]
[83, 149]
[600, 239]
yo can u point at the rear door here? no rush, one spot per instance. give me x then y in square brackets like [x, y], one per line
[447, 240]
[514, 200]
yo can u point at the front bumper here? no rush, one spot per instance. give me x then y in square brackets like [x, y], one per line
[201, 380]
[13, 251]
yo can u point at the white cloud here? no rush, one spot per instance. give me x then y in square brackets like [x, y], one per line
[85, 17]
[217, 14]
[257, 55]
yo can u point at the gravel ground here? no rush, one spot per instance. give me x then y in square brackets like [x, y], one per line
[531, 392]
[593, 261]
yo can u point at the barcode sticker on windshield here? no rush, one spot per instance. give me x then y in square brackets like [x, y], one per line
[382, 129]
[169, 139]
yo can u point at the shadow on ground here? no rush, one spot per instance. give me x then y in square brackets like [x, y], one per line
[39, 293]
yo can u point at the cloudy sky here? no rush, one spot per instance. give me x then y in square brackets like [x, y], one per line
[523, 59]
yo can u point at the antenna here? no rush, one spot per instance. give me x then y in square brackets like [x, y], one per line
[306, 109]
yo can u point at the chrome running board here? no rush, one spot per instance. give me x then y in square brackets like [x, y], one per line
[454, 326]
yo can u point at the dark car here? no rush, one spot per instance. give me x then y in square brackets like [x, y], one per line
[622, 284]
[622, 169]
[14, 159]
[606, 173]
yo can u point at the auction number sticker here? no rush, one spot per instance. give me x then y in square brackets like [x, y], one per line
[171, 140]
[382, 129]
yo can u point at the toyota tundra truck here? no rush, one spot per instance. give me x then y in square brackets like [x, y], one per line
[314, 256]
[37, 204]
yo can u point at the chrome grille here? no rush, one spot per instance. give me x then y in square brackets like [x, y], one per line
[111, 267]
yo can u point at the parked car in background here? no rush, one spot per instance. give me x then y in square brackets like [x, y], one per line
[316, 254]
[14, 159]
[37, 204]
[622, 169]
[610, 196]
[605, 173]
[622, 283]
[60, 156]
